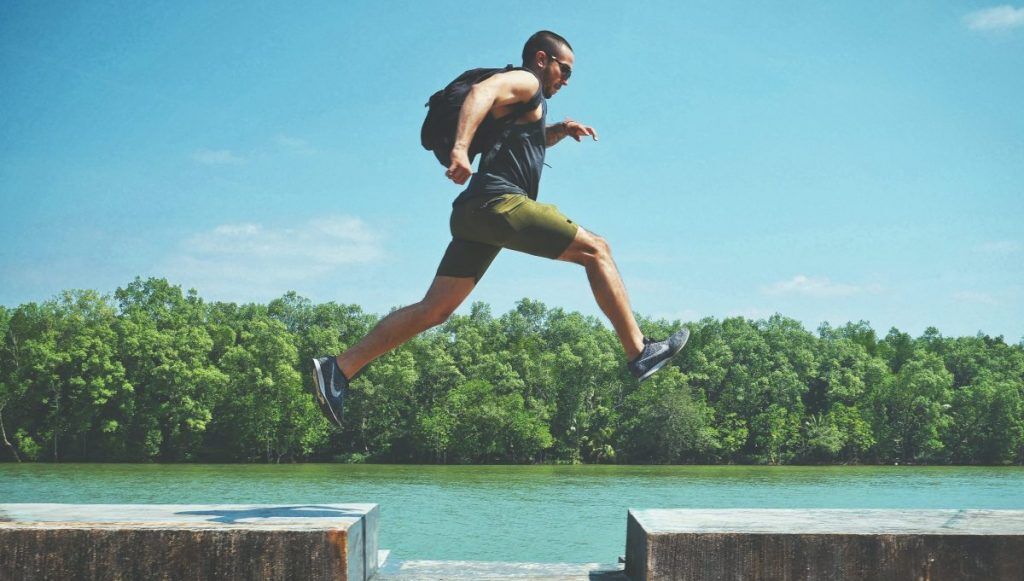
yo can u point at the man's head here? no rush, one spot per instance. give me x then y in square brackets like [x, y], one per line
[551, 57]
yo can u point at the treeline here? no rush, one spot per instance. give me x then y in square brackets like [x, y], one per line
[155, 374]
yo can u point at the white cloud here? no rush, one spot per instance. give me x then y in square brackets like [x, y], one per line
[975, 297]
[999, 247]
[818, 287]
[251, 261]
[995, 18]
[217, 157]
[294, 145]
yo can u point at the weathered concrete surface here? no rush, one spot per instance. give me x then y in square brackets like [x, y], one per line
[933, 545]
[497, 571]
[223, 541]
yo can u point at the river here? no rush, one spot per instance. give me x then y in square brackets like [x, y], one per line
[572, 514]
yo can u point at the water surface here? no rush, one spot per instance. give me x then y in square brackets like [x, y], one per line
[516, 513]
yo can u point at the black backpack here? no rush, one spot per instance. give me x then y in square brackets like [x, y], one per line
[438, 131]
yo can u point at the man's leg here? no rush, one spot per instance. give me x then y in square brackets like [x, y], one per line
[540, 229]
[463, 264]
[445, 295]
[592, 252]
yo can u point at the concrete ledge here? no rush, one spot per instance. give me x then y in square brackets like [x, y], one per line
[422, 570]
[825, 544]
[222, 541]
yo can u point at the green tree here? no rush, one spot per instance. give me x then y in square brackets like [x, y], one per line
[847, 377]
[29, 345]
[823, 438]
[763, 390]
[859, 333]
[157, 374]
[166, 351]
[93, 390]
[662, 422]
[382, 414]
[988, 422]
[7, 379]
[483, 425]
[896, 349]
[588, 376]
[266, 412]
[914, 410]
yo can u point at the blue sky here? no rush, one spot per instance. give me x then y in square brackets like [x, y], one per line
[827, 161]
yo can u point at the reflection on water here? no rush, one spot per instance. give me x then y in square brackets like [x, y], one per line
[516, 513]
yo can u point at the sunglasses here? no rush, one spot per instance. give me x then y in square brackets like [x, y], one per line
[563, 68]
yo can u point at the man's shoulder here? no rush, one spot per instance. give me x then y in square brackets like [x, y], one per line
[519, 79]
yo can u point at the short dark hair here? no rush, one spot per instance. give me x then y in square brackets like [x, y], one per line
[545, 40]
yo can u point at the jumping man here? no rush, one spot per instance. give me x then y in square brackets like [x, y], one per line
[499, 209]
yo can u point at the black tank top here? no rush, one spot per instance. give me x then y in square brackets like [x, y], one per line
[514, 163]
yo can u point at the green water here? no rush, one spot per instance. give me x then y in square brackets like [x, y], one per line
[516, 513]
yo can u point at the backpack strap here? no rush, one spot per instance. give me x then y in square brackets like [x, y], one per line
[526, 107]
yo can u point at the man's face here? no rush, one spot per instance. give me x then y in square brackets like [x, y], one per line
[556, 71]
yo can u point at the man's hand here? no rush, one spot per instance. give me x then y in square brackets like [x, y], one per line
[577, 130]
[569, 128]
[460, 168]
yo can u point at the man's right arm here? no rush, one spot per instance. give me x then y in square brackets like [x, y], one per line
[500, 90]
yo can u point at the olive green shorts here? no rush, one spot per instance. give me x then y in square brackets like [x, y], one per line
[481, 227]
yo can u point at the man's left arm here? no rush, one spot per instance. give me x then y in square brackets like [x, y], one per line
[570, 128]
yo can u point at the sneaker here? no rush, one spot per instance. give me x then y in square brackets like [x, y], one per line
[330, 387]
[656, 354]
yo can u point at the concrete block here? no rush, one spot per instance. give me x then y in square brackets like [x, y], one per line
[220, 541]
[767, 544]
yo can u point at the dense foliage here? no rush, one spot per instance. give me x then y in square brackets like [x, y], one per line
[155, 374]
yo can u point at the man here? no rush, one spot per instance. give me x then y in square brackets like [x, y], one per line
[499, 210]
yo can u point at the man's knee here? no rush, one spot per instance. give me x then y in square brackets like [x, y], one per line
[443, 297]
[601, 247]
[590, 249]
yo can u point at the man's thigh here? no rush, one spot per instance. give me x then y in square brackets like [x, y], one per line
[516, 222]
[540, 229]
[467, 260]
[481, 228]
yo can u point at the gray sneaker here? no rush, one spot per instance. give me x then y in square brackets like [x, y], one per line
[657, 353]
[330, 386]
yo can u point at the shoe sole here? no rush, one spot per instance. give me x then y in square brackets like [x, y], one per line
[664, 361]
[320, 394]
